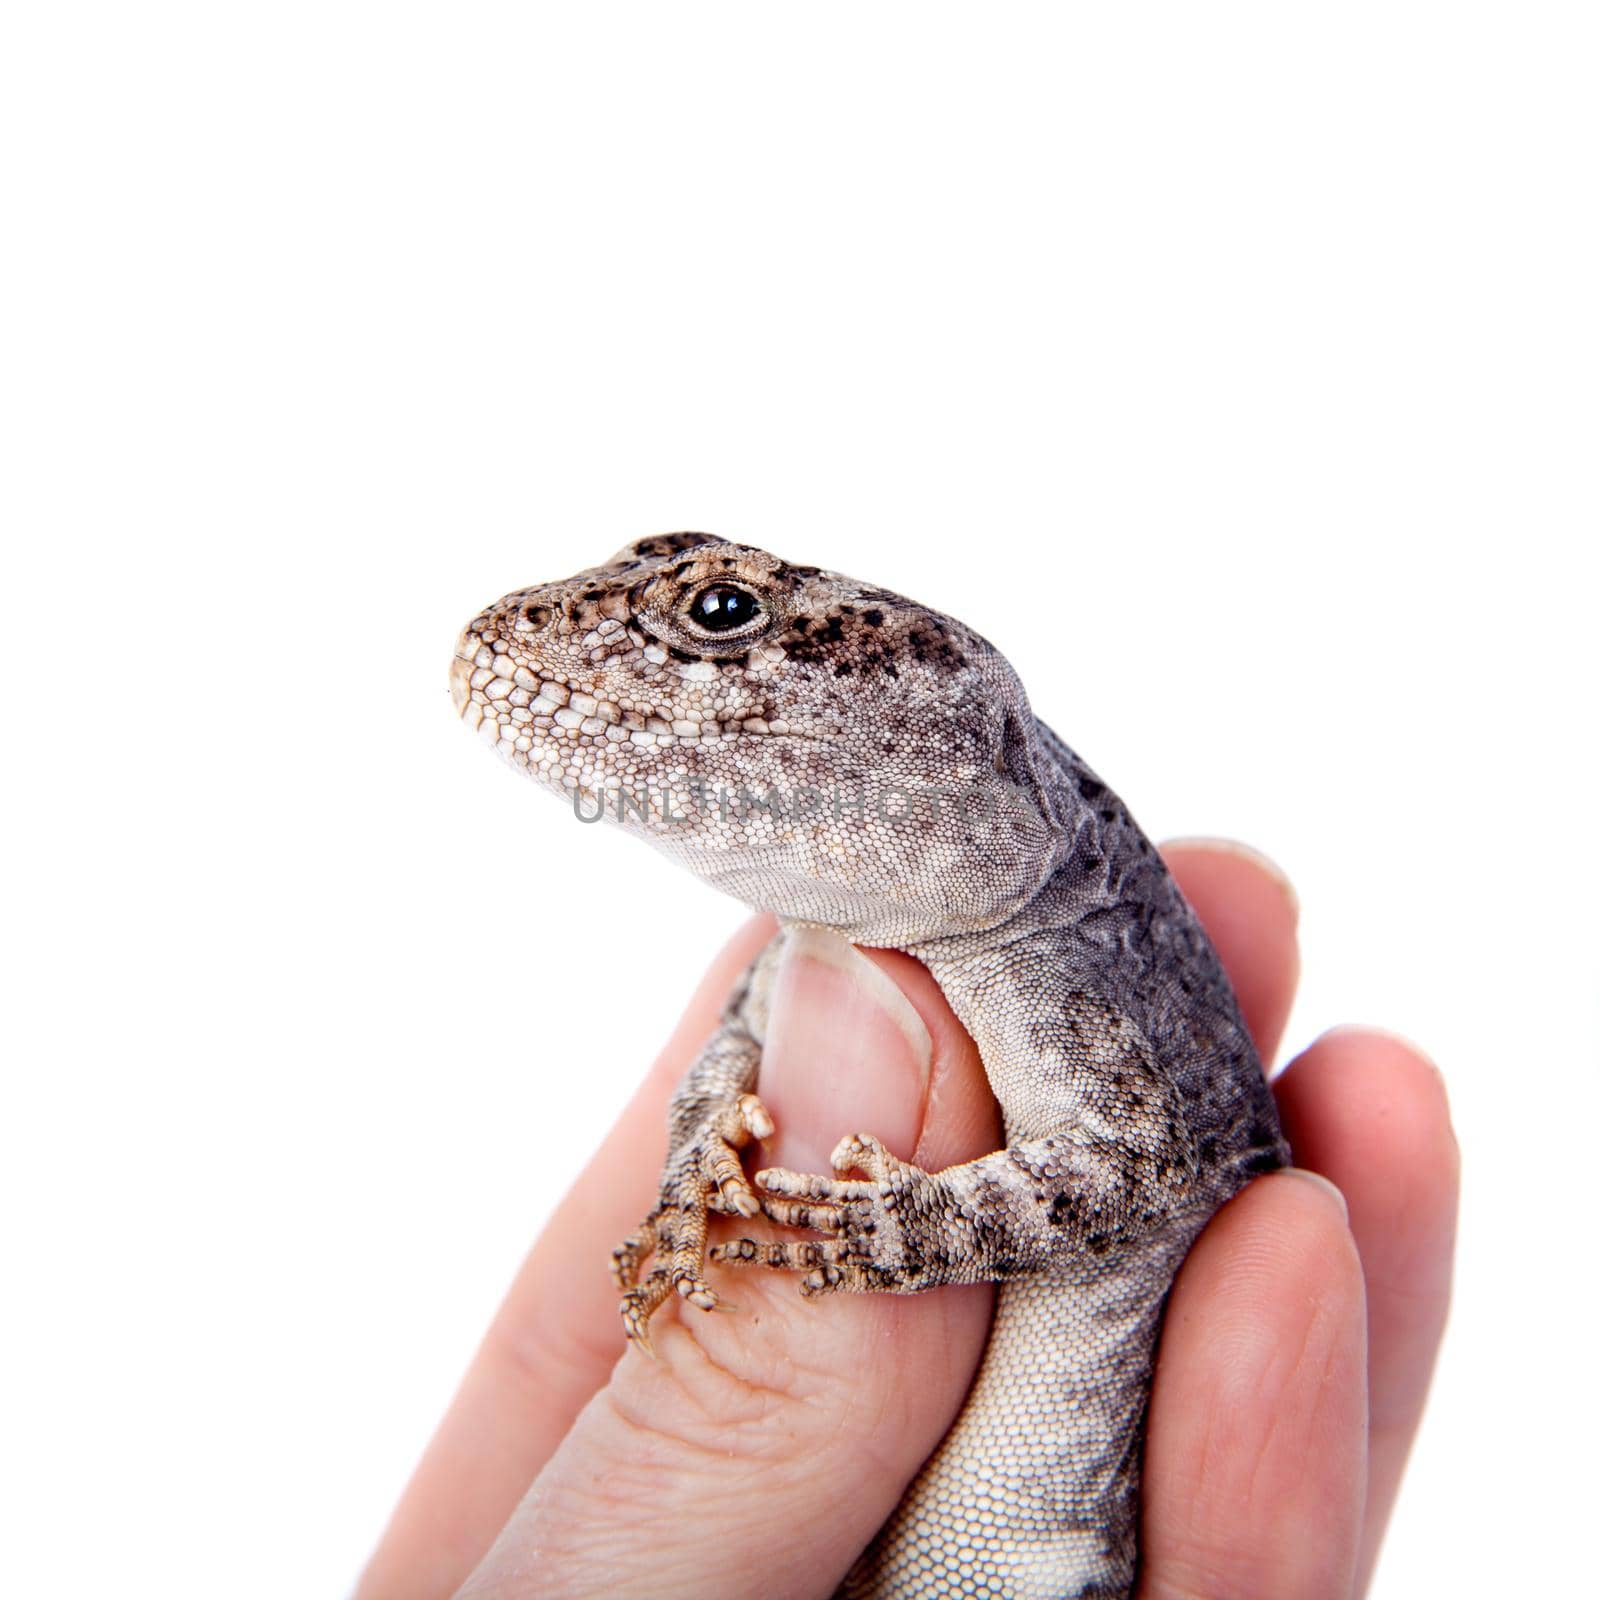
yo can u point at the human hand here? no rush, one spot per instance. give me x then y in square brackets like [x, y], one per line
[762, 1449]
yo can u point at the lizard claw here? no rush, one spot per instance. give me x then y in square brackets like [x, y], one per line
[856, 1152]
[868, 1222]
[860, 1152]
[705, 1175]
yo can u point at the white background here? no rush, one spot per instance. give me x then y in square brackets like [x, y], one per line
[1234, 368]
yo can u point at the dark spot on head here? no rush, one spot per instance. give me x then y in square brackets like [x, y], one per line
[843, 670]
[668, 544]
[872, 618]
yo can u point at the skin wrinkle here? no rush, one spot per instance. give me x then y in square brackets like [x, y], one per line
[1104, 1021]
[682, 1372]
[620, 1495]
[694, 1457]
[647, 1418]
[873, 1435]
[1265, 1444]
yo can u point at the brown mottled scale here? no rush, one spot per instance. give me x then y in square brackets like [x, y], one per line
[840, 755]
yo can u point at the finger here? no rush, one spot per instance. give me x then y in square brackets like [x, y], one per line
[552, 1343]
[1255, 1461]
[761, 1450]
[1249, 910]
[1369, 1112]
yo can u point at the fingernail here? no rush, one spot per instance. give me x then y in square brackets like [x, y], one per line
[845, 1052]
[1245, 852]
[1306, 1175]
[1369, 1031]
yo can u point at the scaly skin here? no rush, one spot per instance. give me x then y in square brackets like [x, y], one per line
[841, 756]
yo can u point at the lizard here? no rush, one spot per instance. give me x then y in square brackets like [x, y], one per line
[834, 753]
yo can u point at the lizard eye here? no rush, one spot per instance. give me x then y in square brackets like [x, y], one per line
[722, 608]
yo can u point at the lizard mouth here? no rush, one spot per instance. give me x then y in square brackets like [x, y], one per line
[514, 706]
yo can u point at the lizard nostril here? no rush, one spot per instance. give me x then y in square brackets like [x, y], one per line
[534, 617]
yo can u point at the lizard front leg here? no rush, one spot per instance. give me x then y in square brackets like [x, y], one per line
[1119, 1163]
[714, 1114]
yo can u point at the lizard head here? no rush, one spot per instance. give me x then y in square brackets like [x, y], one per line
[811, 744]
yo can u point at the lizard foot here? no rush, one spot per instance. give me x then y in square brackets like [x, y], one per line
[702, 1176]
[875, 1225]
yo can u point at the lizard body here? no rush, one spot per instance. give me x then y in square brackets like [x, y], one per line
[844, 757]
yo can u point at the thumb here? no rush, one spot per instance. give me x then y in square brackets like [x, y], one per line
[766, 1444]
[845, 1052]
